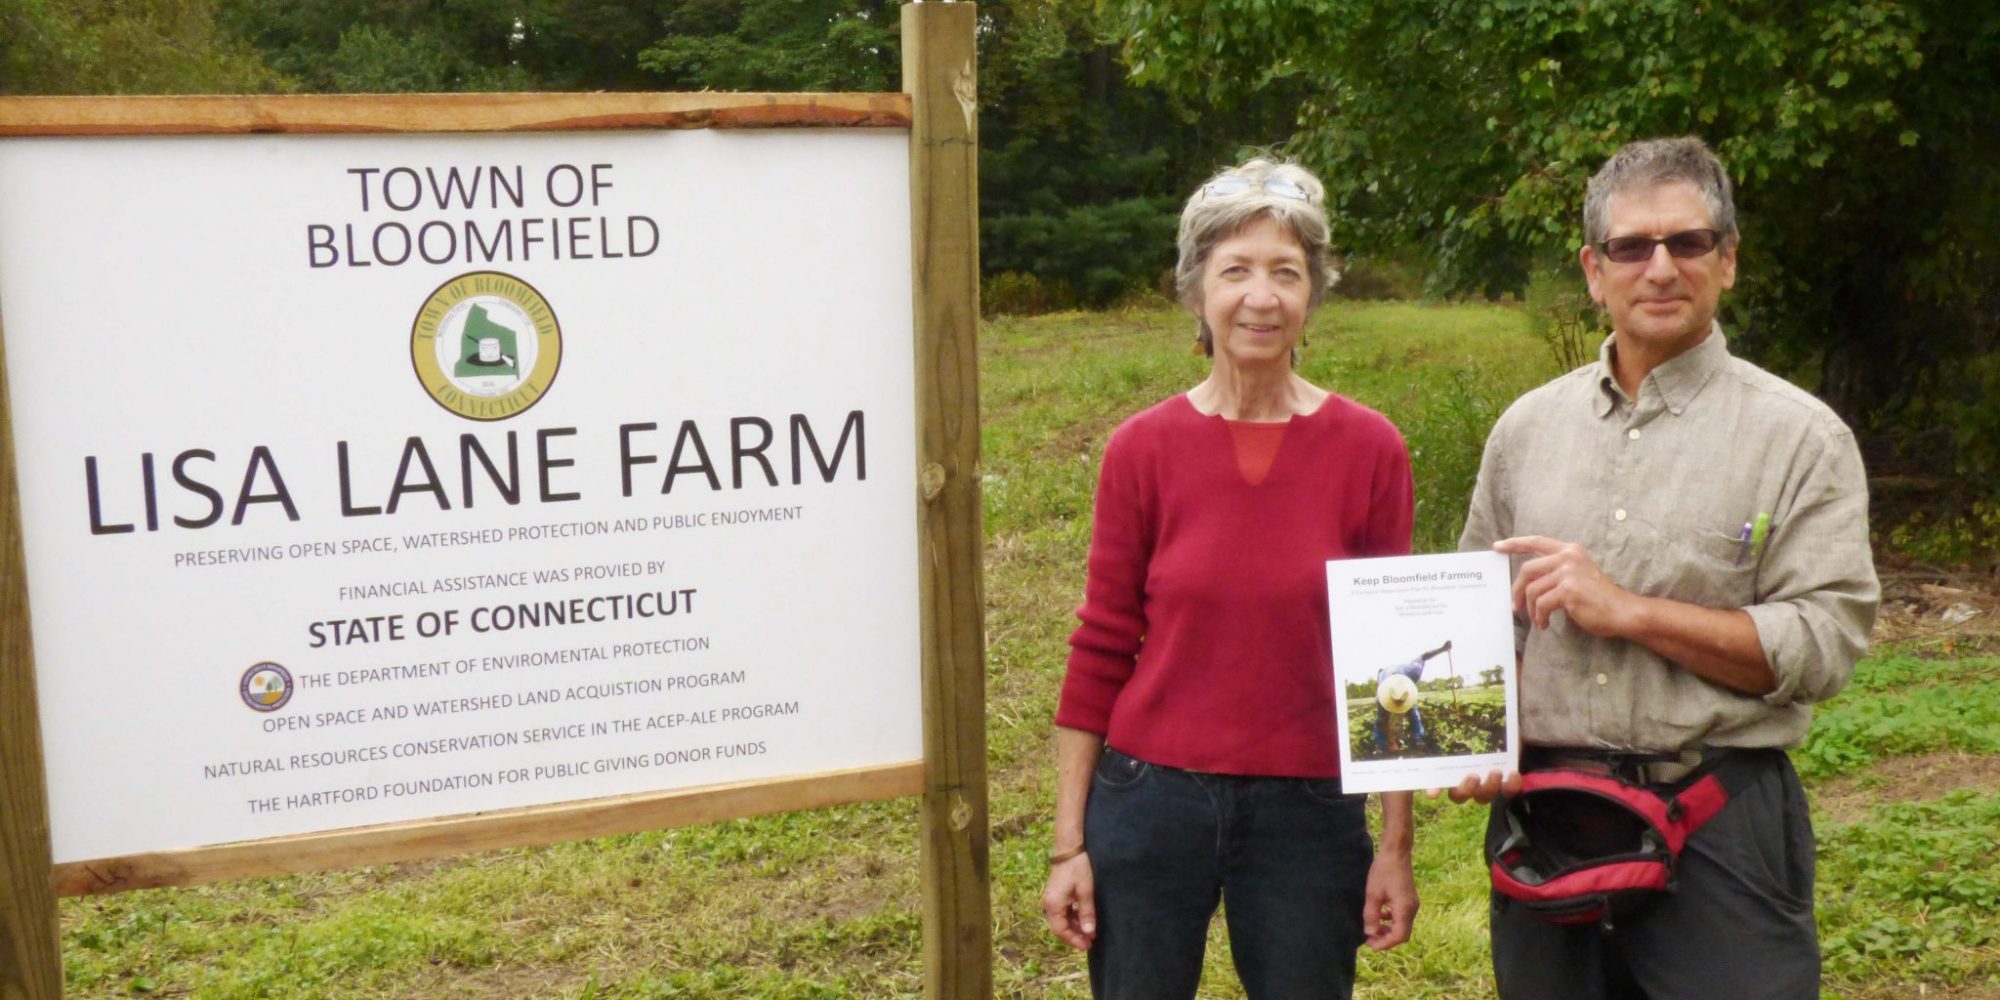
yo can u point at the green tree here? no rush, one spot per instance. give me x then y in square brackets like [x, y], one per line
[785, 45]
[1863, 135]
[386, 46]
[590, 44]
[1082, 172]
[1077, 188]
[457, 45]
[130, 47]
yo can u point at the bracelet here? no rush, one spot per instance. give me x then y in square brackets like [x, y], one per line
[1058, 857]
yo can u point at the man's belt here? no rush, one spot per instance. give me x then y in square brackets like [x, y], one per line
[1639, 767]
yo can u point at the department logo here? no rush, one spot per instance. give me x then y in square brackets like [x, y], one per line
[266, 687]
[486, 345]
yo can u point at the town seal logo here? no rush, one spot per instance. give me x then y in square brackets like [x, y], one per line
[486, 345]
[265, 687]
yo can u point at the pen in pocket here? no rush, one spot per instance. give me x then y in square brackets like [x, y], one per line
[1750, 541]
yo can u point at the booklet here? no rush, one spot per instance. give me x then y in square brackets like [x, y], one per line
[1423, 665]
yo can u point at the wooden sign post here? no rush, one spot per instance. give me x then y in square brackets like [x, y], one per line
[940, 481]
[30, 948]
[939, 73]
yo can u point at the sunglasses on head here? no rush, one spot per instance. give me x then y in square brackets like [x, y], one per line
[1635, 249]
[1279, 186]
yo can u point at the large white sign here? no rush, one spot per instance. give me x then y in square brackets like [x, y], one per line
[376, 478]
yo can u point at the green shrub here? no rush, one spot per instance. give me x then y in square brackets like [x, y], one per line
[1011, 293]
[1971, 538]
[1918, 884]
[1377, 277]
[1097, 253]
[1446, 438]
[1931, 708]
[1562, 316]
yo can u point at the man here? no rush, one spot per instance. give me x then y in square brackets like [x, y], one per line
[1414, 670]
[1690, 536]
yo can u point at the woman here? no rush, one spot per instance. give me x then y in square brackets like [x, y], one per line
[1196, 729]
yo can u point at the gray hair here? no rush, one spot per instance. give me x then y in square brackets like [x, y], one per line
[1208, 219]
[1650, 163]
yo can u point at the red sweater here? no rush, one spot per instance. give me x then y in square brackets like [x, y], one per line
[1204, 638]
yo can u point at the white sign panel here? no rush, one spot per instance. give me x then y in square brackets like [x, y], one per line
[377, 478]
[1423, 661]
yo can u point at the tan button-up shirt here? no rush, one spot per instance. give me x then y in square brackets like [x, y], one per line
[1659, 490]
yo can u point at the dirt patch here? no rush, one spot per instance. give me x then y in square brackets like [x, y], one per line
[1906, 779]
[1922, 991]
[857, 886]
[1001, 550]
[1958, 612]
[1085, 439]
[500, 982]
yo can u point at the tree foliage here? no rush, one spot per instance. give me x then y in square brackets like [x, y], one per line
[1863, 136]
[122, 47]
[386, 46]
[795, 45]
[1082, 172]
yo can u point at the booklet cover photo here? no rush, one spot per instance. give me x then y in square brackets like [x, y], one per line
[1423, 661]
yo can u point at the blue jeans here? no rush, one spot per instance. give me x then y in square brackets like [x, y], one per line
[1289, 855]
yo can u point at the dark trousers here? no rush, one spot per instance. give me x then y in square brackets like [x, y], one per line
[1738, 925]
[1289, 856]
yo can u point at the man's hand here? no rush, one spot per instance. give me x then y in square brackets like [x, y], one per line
[1069, 902]
[1717, 644]
[1561, 576]
[1474, 788]
[1389, 908]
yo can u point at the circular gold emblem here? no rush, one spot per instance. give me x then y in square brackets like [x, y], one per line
[266, 686]
[486, 345]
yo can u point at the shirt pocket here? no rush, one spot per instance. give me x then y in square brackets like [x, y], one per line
[1715, 567]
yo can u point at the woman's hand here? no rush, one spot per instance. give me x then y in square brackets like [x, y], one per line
[1389, 908]
[1070, 899]
[1070, 902]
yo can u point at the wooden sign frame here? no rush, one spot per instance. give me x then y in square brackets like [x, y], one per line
[938, 106]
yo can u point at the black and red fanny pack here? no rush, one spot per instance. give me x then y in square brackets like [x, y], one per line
[1576, 846]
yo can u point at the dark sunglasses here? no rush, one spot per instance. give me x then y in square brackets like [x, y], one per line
[1636, 249]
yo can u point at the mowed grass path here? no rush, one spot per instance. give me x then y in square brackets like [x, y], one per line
[826, 904]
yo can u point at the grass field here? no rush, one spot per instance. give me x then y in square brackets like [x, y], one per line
[1902, 768]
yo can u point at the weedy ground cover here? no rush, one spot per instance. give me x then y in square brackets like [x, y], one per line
[825, 904]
